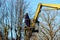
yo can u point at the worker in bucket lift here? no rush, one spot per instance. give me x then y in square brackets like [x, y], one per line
[27, 20]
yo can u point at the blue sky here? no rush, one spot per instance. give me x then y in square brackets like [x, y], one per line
[45, 1]
[33, 3]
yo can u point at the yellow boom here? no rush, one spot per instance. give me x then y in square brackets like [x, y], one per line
[54, 6]
[31, 29]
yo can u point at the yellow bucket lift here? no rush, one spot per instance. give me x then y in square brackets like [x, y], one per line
[38, 10]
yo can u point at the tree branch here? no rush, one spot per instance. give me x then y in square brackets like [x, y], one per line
[56, 31]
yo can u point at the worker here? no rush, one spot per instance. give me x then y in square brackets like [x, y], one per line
[27, 20]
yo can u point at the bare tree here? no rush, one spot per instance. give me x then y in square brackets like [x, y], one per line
[21, 7]
[12, 16]
[48, 24]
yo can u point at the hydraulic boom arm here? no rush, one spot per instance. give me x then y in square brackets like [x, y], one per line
[31, 29]
[55, 6]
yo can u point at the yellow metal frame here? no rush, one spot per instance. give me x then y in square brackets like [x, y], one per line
[54, 6]
[38, 10]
